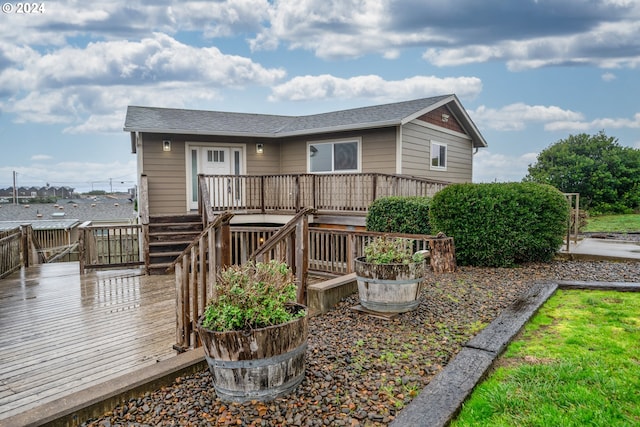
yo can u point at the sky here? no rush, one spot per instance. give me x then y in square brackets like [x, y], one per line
[528, 72]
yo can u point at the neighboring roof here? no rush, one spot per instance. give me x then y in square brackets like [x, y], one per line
[86, 210]
[44, 224]
[199, 122]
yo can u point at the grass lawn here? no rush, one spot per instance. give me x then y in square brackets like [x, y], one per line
[576, 363]
[613, 223]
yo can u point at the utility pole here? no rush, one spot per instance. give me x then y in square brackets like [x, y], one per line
[15, 189]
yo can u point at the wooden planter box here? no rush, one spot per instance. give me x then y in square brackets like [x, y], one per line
[389, 288]
[260, 364]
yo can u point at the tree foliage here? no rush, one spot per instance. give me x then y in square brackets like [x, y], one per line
[606, 174]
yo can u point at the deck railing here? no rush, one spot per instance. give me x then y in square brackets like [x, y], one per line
[195, 277]
[290, 244]
[17, 249]
[104, 246]
[326, 192]
[11, 249]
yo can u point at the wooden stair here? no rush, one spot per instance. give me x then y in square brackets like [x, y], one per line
[168, 237]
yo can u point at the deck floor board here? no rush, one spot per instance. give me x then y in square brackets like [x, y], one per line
[61, 332]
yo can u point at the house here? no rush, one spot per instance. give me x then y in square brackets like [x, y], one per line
[430, 138]
[267, 168]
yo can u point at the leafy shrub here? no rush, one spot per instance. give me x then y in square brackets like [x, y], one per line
[250, 296]
[503, 224]
[391, 251]
[399, 215]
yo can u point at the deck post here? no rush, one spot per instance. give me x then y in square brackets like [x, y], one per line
[302, 257]
[374, 191]
[143, 213]
[82, 253]
[223, 245]
[262, 207]
[297, 195]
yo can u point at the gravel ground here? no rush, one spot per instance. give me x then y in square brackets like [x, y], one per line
[361, 370]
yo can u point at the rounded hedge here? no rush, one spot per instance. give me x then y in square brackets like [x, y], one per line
[399, 215]
[501, 224]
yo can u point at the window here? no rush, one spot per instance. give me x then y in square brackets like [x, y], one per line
[438, 156]
[338, 156]
[216, 156]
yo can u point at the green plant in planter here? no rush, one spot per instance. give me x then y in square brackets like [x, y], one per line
[383, 250]
[251, 296]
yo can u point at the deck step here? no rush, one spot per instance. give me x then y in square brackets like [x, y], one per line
[169, 235]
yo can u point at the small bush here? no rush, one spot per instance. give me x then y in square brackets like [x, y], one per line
[391, 251]
[503, 224]
[250, 296]
[400, 215]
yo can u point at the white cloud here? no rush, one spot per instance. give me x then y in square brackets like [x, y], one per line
[605, 46]
[516, 116]
[41, 157]
[69, 85]
[490, 167]
[605, 123]
[374, 87]
[607, 77]
[340, 29]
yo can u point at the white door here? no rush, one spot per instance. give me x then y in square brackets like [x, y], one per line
[215, 161]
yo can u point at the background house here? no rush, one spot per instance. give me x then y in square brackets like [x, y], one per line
[430, 138]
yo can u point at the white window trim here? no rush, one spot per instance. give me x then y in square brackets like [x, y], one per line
[446, 156]
[358, 140]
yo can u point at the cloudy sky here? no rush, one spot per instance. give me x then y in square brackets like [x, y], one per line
[529, 72]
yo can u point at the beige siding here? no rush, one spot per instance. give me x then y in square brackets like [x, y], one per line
[266, 163]
[416, 145]
[167, 171]
[378, 150]
[166, 175]
[293, 155]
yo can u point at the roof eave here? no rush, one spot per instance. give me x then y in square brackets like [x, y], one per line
[372, 125]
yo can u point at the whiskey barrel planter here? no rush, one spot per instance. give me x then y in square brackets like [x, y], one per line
[258, 364]
[389, 288]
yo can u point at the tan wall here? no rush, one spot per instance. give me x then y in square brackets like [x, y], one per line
[166, 175]
[378, 150]
[416, 146]
[167, 172]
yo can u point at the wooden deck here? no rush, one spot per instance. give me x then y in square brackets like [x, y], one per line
[61, 332]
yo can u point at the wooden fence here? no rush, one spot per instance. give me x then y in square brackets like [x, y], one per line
[103, 246]
[291, 193]
[17, 249]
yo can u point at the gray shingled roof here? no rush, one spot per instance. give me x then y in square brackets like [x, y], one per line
[152, 119]
[199, 122]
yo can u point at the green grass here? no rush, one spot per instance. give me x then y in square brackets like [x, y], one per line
[577, 363]
[613, 223]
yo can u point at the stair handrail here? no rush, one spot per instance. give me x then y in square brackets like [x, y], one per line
[204, 201]
[195, 277]
[298, 226]
[219, 219]
[277, 237]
